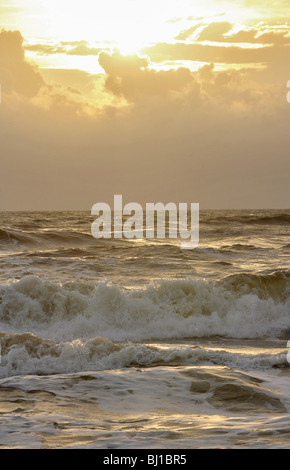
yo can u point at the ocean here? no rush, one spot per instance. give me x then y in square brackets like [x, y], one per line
[135, 343]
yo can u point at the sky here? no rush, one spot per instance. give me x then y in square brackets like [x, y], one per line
[157, 100]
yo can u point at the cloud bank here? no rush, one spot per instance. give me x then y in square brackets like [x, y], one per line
[213, 136]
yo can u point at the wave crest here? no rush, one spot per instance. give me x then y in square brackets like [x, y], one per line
[30, 354]
[238, 306]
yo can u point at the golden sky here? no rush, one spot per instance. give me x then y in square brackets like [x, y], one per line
[153, 99]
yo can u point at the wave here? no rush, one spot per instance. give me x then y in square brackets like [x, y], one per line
[29, 354]
[275, 285]
[60, 253]
[13, 236]
[282, 218]
[22, 238]
[238, 306]
[240, 246]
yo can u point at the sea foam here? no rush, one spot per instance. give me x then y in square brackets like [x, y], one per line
[241, 306]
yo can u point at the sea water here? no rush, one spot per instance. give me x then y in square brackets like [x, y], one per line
[124, 343]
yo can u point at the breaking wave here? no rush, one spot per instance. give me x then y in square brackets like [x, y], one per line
[237, 306]
[29, 354]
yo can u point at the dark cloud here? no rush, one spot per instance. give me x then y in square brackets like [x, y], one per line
[22, 81]
[16, 74]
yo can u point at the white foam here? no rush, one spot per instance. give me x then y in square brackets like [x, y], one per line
[171, 309]
[28, 354]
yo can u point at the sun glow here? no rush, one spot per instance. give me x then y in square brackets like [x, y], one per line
[128, 24]
[80, 30]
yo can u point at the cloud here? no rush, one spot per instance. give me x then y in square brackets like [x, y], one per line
[132, 79]
[220, 138]
[215, 31]
[261, 34]
[131, 76]
[279, 7]
[81, 48]
[217, 53]
[163, 150]
[84, 49]
[43, 49]
[16, 74]
[223, 31]
[22, 81]
[186, 33]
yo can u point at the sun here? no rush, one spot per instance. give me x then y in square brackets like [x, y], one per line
[127, 24]
[130, 24]
[128, 47]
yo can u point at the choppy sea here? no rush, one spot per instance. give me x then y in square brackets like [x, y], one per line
[127, 343]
